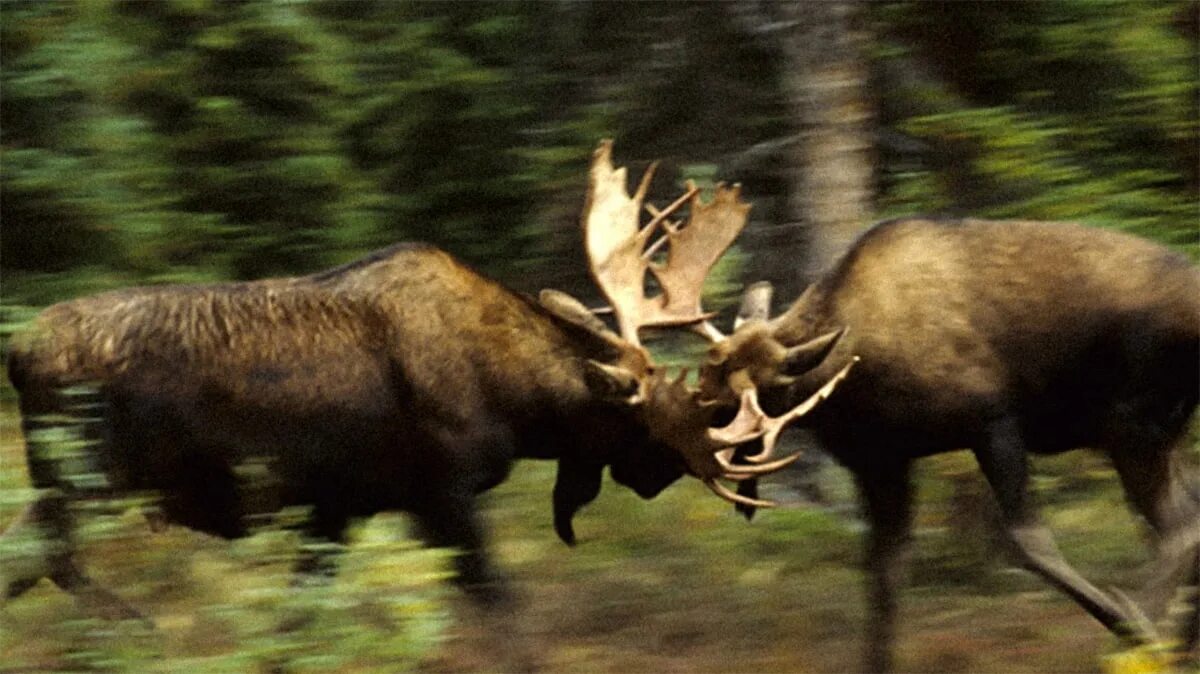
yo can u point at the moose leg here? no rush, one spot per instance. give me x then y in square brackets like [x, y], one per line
[325, 532]
[455, 524]
[316, 563]
[887, 499]
[1156, 489]
[19, 574]
[47, 524]
[1002, 458]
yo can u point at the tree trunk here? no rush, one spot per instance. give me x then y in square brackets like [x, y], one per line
[825, 81]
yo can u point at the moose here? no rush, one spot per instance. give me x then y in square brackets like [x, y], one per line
[403, 381]
[1007, 339]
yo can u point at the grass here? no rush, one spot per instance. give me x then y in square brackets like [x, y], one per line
[678, 584]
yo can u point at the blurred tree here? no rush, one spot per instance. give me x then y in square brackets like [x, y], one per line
[246, 96]
[454, 120]
[826, 84]
[55, 179]
[1064, 111]
[826, 153]
[190, 140]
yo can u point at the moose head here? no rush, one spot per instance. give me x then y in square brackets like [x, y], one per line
[622, 251]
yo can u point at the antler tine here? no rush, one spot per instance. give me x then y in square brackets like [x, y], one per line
[644, 187]
[735, 471]
[695, 248]
[733, 497]
[661, 217]
[711, 457]
[619, 260]
[746, 426]
[773, 426]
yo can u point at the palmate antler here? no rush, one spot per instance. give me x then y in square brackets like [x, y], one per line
[619, 257]
[620, 254]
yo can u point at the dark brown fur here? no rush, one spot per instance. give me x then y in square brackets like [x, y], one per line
[404, 381]
[1007, 338]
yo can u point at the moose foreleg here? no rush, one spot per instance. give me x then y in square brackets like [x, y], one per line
[454, 524]
[887, 499]
[1002, 458]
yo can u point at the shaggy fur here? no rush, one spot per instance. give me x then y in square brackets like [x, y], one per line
[403, 381]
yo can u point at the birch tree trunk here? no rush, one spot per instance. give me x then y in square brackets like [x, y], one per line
[832, 164]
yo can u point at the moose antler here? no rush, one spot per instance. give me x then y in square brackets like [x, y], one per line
[677, 412]
[619, 258]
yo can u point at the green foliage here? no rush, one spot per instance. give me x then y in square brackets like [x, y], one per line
[247, 108]
[191, 141]
[384, 612]
[440, 133]
[1059, 111]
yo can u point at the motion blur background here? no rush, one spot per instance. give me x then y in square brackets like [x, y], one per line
[194, 140]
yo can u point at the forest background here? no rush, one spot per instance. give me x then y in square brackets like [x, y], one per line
[193, 140]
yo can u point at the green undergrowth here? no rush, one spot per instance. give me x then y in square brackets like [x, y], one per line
[680, 583]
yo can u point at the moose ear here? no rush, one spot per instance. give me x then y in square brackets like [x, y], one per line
[609, 381]
[756, 304]
[572, 313]
[570, 310]
[804, 357]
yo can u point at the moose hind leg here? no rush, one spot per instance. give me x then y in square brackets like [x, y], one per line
[47, 524]
[1002, 458]
[1157, 489]
[21, 572]
[325, 536]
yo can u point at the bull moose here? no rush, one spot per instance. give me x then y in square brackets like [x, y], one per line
[1007, 339]
[402, 381]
